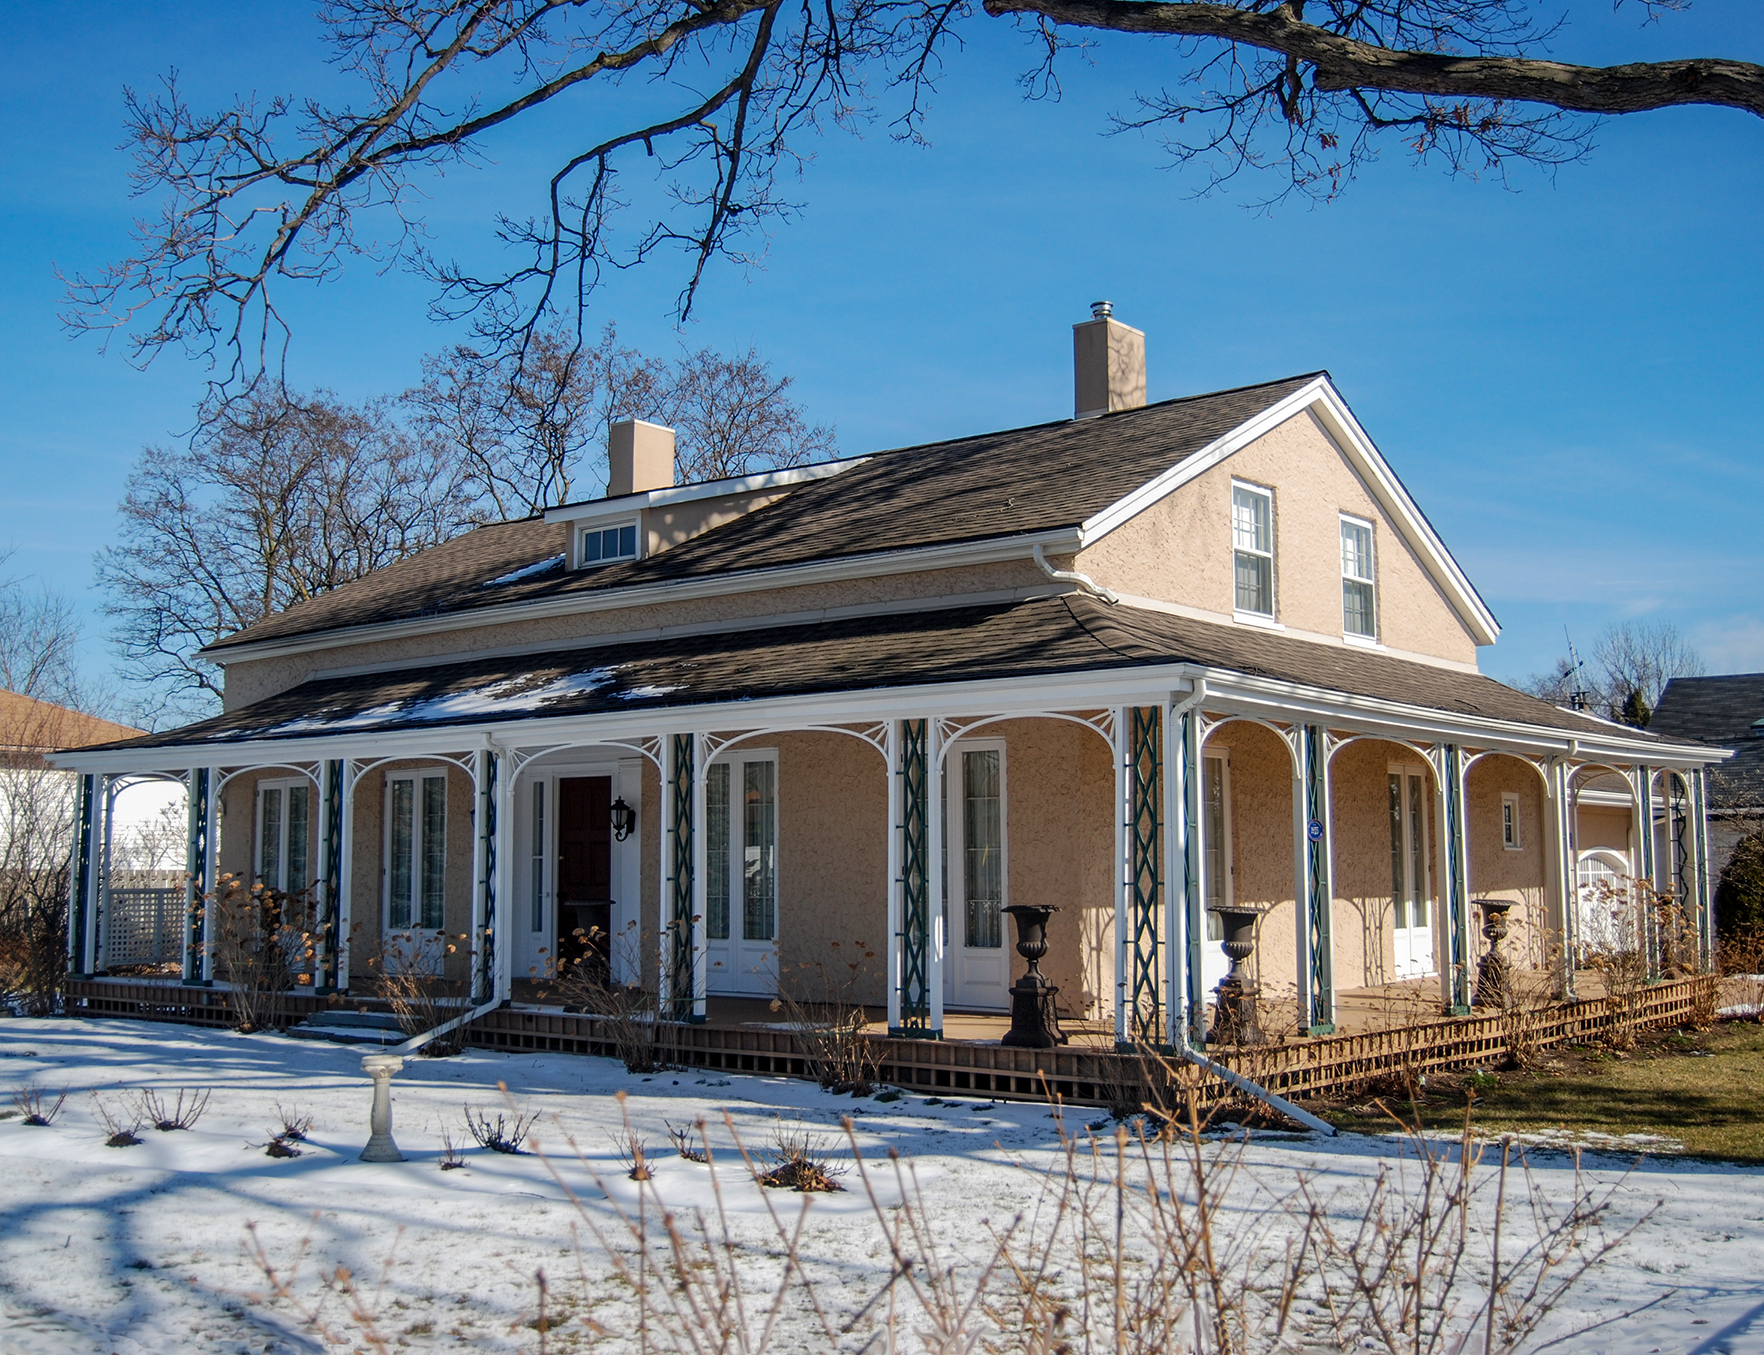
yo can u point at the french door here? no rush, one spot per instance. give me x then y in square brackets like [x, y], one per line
[415, 912]
[284, 862]
[741, 873]
[584, 874]
[978, 962]
[1216, 865]
[1411, 907]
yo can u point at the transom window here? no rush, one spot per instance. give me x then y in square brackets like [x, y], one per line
[1252, 540]
[416, 851]
[1358, 613]
[600, 545]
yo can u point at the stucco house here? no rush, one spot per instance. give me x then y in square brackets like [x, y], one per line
[1141, 664]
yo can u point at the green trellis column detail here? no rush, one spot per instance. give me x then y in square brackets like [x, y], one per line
[80, 879]
[1644, 830]
[1703, 910]
[1457, 884]
[196, 882]
[913, 940]
[484, 888]
[677, 945]
[1317, 888]
[1145, 875]
[331, 872]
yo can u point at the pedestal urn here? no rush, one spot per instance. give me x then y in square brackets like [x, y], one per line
[1034, 1022]
[1494, 981]
[1235, 1020]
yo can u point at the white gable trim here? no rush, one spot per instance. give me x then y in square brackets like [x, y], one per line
[1320, 397]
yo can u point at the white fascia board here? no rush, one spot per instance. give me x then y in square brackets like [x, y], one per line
[706, 489]
[911, 561]
[1320, 395]
[1150, 684]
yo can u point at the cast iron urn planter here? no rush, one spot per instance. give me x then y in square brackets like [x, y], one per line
[1034, 1022]
[1494, 987]
[1234, 1020]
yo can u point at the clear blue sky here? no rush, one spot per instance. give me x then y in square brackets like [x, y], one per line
[1566, 376]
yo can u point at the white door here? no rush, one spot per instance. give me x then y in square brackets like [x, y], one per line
[1605, 909]
[1216, 866]
[414, 917]
[741, 874]
[977, 963]
[1411, 906]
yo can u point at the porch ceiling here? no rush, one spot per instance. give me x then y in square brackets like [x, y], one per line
[1070, 634]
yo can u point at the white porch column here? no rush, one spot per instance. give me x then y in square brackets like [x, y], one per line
[502, 878]
[1642, 783]
[1703, 904]
[935, 867]
[1123, 923]
[483, 940]
[1561, 810]
[1314, 882]
[896, 910]
[698, 932]
[346, 872]
[199, 872]
[81, 929]
[1185, 917]
[1454, 890]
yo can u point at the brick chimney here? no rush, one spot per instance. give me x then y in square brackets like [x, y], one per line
[1108, 364]
[640, 456]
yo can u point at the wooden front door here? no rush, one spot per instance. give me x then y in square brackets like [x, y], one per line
[584, 870]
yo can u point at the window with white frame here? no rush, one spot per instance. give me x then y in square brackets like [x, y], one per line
[982, 774]
[1216, 834]
[1510, 838]
[536, 862]
[284, 834]
[416, 851]
[741, 847]
[602, 545]
[1359, 613]
[1252, 541]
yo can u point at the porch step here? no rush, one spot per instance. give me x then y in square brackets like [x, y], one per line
[377, 1028]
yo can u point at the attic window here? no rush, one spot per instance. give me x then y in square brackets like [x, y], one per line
[602, 545]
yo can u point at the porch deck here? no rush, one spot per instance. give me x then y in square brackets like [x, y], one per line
[745, 1035]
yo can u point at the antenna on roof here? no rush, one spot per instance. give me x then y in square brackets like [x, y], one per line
[1579, 698]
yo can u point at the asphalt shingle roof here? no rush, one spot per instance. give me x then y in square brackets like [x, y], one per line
[1722, 711]
[1067, 634]
[1019, 481]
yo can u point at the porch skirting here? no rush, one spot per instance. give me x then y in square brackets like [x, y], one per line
[1301, 1069]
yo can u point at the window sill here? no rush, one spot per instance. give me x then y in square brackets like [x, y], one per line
[1363, 641]
[1257, 619]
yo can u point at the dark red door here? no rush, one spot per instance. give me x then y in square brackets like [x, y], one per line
[584, 869]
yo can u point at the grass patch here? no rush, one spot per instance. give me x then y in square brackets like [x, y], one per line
[1699, 1088]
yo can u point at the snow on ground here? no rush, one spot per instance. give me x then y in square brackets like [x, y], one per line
[145, 1249]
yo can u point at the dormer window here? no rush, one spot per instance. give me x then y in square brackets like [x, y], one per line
[603, 545]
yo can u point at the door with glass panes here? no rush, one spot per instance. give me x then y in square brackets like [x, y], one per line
[1216, 865]
[977, 955]
[741, 873]
[284, 860]
[1411, 896]
[414, 917]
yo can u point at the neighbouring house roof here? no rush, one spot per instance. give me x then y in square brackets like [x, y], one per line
[1067, 634]
[1727, 711]
[1022, 481]
[29, 728]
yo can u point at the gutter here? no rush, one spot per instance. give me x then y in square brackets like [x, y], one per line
[1261, 1093]
[416, 1042]
[1084, 581]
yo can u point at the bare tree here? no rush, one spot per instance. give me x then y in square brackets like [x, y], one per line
[279, 499]
[732, 417]
[39, 639]
[1631, 663]
[37, 809]
[285, 190]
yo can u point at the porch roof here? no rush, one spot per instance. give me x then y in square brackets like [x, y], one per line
[1019, 481]
[1066, 634]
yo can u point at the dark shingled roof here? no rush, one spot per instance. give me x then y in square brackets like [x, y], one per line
[1023, 480]
[1722, 711]
[1067, 634]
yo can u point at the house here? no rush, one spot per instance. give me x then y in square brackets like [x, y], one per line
[1144, 665]
[1728, 712]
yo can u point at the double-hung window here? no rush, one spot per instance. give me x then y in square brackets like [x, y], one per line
[284, 834]
[416, 851]
[1252, 540]
[1359, 613]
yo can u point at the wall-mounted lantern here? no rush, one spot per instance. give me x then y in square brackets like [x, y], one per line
[624, 819]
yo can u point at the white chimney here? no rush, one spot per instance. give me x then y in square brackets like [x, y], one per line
[1108, 364]
[639, 457]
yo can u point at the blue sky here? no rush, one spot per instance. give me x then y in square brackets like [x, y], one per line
[1567, 376]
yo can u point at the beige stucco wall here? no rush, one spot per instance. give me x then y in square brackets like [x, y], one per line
[671, 524]
[1518, 875]
[1603, 826]
[1179, 551]
[248, 681]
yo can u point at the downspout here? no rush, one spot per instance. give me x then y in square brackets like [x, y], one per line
[465, 1018]
[1084, 581]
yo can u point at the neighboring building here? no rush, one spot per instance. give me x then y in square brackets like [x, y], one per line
[1143, 664]
[1727, 711]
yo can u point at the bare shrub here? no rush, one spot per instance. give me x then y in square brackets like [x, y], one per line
[626, 1012]
[121, 1130]
[823, 1003]
[505, 1134]
[34, 1105]
[450, 1156]
[687, 1139]
[1525, 1019]
[798, 1161]
[422, 997]
[166, 1116]
[633, 1152]
[259, 948]
[1739, 960]
[295, 1127]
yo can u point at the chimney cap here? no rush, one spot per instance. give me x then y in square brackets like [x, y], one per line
[1101, 310]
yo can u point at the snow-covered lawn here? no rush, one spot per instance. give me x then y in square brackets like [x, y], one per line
[147, 1248]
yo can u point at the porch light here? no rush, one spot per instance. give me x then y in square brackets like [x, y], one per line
[624, 819]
